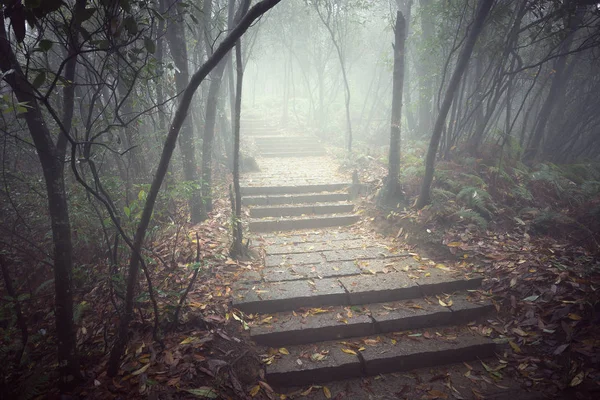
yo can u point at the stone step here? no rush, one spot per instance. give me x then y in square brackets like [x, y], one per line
[301, 209]
[334, 323]
[327, 235]
[298, 223]
[293, 189]
[260, 132]
[285, 139]
[358, 289]
[273, 200]
[299, 153]
[289, 147]
[373, 355]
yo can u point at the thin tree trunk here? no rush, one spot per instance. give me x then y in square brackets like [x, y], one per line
[51, 158]
[170, 142]
[176, 38]
[556, 91]
[208, 139]
[237, 248]
[392, 191]
[483, 9]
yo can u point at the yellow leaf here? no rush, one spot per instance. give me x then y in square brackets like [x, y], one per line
[514, 346]
[348, 351]
[574, 317]
[141, 370]
[442, 303]
[442, 267]
[254, 391]
[454, 244]
[188, 340]
[577, 379]
[326, 392]
[427, 275]
[307, 391]
[285, 351]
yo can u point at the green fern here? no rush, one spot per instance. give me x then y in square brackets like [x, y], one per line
[472, 180]
[522, 193]
[441, 195]
[472, 217]
[590, 189]
[476, 199]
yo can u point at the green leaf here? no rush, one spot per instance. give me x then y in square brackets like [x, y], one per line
[131, 25]
[204, 392]
[45, 44]
[39, 80]
[150, 45]
[127, 211]
[87, 13]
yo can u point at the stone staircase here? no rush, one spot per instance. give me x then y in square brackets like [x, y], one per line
[331, 304]
[336, 306]
[296, 188]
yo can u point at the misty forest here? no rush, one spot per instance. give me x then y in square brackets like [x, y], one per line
[348, 199]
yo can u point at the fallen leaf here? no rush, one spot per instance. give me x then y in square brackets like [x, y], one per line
[254, 391]
[348, 351]
[266, 386]
[514, 346]
[141, 370]
[577, 379]
[204, 392]
[326, 392]
[561, 348]
[284, 351]
[442, 267]
[574, 317]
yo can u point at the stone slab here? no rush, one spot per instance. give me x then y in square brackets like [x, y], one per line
[303, 247]
[308, 153]
[287, 371]
[266, 190]
[308, 237]
[289, 329]
[287, 296]
[466, 308]
[355, 254]
[411, 314]
[293, 259]
[386, 265]
[300, 210]
[322, 270]
[380, 288]
[434, 281]
[291, 224]
[412, 353]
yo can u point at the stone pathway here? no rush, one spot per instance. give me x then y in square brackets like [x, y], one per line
[330, 303]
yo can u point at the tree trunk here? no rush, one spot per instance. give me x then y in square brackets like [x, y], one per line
[208, 139]
[178, 120]
[391, 192]
[426, 82]
[556, 91]
[237, 249]
[51, 158]
[483, 9]
[176, 38]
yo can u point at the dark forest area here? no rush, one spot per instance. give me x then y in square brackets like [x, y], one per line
[468, 130]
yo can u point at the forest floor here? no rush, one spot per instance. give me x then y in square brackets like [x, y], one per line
[545, 291]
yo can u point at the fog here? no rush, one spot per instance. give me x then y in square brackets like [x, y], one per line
[130, 127]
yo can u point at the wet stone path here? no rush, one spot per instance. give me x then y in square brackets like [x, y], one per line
[330, 302]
